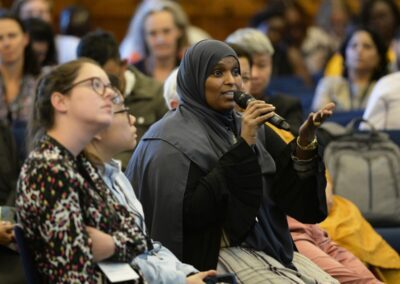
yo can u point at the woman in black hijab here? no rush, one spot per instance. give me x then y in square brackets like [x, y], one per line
[214, 183]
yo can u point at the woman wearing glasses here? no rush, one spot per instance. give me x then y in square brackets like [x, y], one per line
[158, 264]
[69, 217]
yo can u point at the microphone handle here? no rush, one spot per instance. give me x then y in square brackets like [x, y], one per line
[279, 122]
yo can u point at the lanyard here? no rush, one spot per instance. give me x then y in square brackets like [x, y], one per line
[361, 98]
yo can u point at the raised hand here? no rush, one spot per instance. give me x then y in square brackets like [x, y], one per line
[308, 129]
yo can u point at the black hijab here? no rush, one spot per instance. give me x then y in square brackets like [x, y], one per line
[196, 66]
[195, 127]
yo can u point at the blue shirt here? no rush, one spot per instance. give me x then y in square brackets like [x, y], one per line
[159, 265]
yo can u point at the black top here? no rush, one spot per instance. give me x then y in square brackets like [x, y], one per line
[9, 166]
[288, 107]
[230, 194]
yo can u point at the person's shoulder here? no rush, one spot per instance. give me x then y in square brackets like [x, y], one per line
[157, 145]
[139, 75]
[163, 127]
[316, 35]
[145, 85]
[387, 86]
[48, 156]
[390, 80]
[41, 168]
[331, 80]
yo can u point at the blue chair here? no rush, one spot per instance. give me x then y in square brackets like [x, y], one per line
[391, 235]
[28, 264]
[394, 135]
[287, 84]
[19, 129]
[344, 117]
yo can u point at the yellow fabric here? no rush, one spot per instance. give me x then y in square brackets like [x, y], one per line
[311, 7]
[334, 67]
[346, 226]
[391, 54]
[286, 136]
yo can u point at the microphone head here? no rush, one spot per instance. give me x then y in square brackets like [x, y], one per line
[242, 99]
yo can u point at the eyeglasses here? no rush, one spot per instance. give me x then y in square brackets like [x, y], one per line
[99, 87]
[125, 110]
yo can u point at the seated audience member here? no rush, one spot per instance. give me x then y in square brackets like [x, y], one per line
[42, 40]
[10, 269]
[171, 97]
[335, 18]
[383, 106]
[158, 265]
[383, 17]
[159, 37]
[300, 49]
[309, 239]
[314, 243]
[18, 73]
[272, 24]
[365, 62]
[143, 95]
[132, 45]
[261, 50]
[347, 227]
[26, 9]
[75, 21]
[42, 9]
[18, 70]
[69, 217]
[309, 46]
[217, 203]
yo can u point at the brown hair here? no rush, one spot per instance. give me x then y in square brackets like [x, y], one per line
[57, 80]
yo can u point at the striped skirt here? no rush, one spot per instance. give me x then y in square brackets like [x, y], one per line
[253, 267]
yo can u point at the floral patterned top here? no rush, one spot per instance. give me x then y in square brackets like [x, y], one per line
[58, 195]
[19, 108]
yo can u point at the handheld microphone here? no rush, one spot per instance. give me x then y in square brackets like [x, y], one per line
[243, 99]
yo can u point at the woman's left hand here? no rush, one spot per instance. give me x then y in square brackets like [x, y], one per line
[102, 244]
[308, 129]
